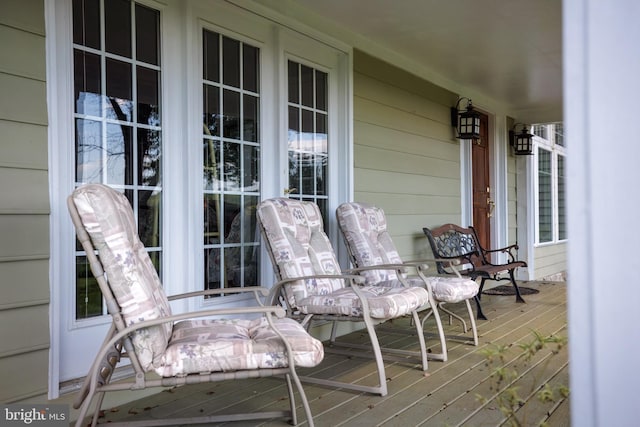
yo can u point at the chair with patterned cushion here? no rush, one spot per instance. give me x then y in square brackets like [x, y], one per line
[365, 232]
[312, 286]
[166, 349]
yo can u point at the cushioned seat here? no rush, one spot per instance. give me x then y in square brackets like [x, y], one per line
[365, 232]
[182, 348]
[312, 286]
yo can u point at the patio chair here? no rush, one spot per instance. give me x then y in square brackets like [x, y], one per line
[166, 349]
[312, 287]
[369, 244]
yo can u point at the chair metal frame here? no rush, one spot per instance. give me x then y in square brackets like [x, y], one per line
[380, 354]
[420, 266]
[118, 345]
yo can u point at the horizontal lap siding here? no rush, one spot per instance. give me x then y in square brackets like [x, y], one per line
[405, 159]
[550, 260]
[24, 202]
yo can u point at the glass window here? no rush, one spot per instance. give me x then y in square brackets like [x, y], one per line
[550, 187]
[118, 137]
[545, 222]
[231, 154]
[307, 144]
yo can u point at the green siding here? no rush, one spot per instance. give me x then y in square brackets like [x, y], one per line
[405, 157]
[24, 211]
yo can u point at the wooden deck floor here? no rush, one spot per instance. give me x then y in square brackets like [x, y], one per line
[446, 395]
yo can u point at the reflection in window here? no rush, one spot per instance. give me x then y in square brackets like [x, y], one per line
[231, 154]
[307, 144]
[545, 220]
[118, 137]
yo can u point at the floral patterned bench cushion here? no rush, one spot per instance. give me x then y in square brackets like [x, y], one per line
[108, 218]
[202, 346]
[452, 289]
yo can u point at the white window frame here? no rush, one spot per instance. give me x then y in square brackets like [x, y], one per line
[182, 121]
[555, 150]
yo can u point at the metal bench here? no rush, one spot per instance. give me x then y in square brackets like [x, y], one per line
[450, 241]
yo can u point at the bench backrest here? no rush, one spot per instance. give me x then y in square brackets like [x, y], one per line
[450, 241]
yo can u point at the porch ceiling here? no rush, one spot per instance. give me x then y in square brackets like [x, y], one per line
[509, 51]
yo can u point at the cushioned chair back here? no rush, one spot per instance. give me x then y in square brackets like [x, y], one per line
[364, 228]
[298, 247]
[107, 217]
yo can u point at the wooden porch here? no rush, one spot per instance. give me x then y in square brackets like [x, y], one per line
[446, 395]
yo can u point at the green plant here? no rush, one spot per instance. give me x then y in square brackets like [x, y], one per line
[505, 371]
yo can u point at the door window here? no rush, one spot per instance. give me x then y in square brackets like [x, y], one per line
[307, 143]
[231, 160]
[118, 134]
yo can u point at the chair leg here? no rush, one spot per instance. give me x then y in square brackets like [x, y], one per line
[303, 397]
[292, 400]
[515, 285]
[443, 342]
[453, 315]
[481, 315]
[474, 329]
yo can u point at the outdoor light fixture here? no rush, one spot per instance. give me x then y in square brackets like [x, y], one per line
[522, 142]
[466, 122]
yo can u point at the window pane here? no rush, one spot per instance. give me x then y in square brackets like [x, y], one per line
[117, 29]
[120, 104]
[86, 23]
[210, 55]
[88, 295]
[149, 218]
[293, 80]
[87, 78]
[211, 217]
[250, 168]
[211, 107]
[231, 166]
[545, 219]
[149, 159]
[231, 112]
[147, 35]
[211, 159]
[148, 96]
[321, 91]
[212, 268]
[231, 62]
[306, 85]
[88, 151]
[562, 229]
[119, 155]
[250, 118]
[250, 68]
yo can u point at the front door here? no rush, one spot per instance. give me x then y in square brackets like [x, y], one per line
[483, 204]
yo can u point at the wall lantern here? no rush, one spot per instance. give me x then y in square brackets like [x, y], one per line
[522, 142]
[466, 122]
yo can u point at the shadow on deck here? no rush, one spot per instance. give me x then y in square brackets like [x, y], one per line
[445, 395]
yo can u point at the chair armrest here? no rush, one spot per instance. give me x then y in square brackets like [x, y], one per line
[400, 268]
[253, 289]
[507, 249]
[277, 287]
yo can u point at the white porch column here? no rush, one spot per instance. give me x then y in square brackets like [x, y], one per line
[601, 93]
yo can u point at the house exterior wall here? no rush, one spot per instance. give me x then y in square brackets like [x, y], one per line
[406, 159]
[550, 261]
[24, 207]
